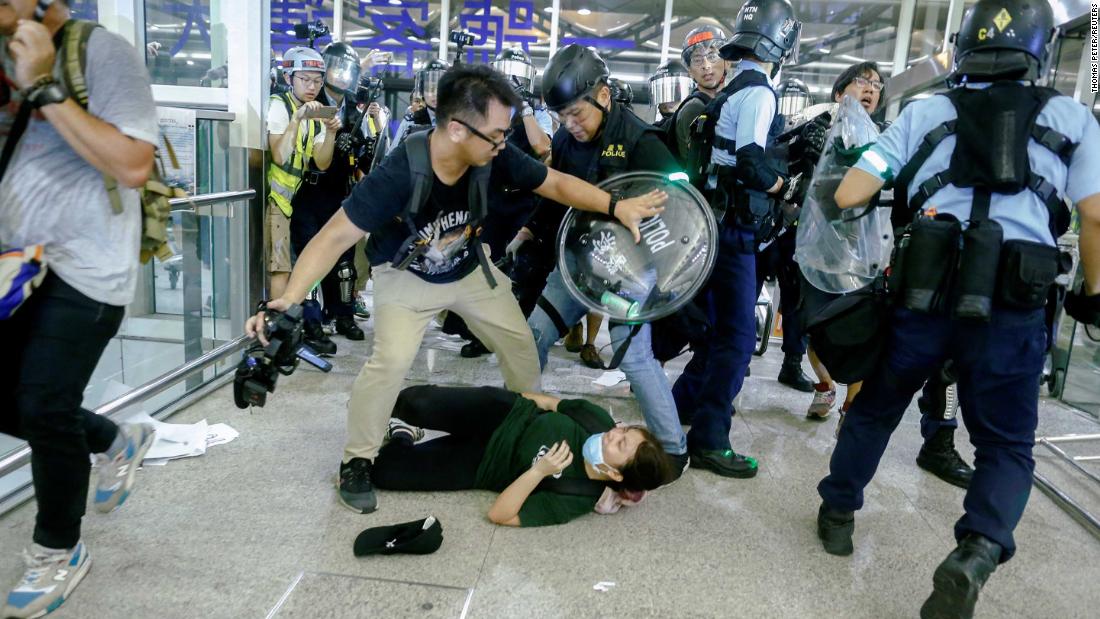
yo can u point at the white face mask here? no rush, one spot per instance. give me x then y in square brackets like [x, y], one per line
[593, 453]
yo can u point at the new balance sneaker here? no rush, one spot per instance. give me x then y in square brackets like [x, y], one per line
[356, 491]
[118, 466]
[50, 578]
[361, 310]
[824, 398]
[404, 433]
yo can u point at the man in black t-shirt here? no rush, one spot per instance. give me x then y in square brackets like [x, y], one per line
[473, 120]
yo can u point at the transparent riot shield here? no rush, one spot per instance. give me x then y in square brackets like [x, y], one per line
[608, 272]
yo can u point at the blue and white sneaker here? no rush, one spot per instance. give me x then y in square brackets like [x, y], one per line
[116, 470]
[50, 578]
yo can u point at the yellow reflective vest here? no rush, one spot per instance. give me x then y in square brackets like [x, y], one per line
[283, 180]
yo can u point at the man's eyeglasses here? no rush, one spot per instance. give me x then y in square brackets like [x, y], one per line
[863, 82]
[310, 81]
[711, 57]
[495, 144]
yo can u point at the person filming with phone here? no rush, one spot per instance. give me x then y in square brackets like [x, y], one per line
[299, 130]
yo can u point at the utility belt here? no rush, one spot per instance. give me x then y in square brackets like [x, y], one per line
[748, 208]
[938, 268]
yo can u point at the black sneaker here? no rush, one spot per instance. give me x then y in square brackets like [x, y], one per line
[473, 349]
[835, 530]
[724, 462]
[318, 340]
[356, 491]
[939, 457]
[346, 326]
[960, 578]
[791, 375]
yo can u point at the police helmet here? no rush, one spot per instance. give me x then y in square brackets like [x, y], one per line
[621, 92]
[427, 79]
[1004, 39]
[516, 65]
[703, 36]
[341, 66]
[671, 83]
[302, 59]
[766, 29]
[572, 74]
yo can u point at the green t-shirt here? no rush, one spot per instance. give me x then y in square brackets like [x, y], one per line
[525, 436]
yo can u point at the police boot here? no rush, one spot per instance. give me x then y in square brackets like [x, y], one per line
[791, 374]
[959, 579]
[939, 457]
[835, 529]
[345, 326]
[317, 339]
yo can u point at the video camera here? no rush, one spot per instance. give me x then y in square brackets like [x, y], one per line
[261, 365]
[461, 39]
[312, 31]
[369, 90]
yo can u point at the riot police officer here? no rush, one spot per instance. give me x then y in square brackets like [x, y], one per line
[985, 167]
[425, 86]
[597, 140]
[669, 85]
[745, 188]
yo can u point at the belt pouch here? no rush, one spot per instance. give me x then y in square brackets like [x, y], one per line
[929, 262]
[1027, 271]
[978, 270]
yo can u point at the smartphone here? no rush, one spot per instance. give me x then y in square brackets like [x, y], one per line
[322, 112]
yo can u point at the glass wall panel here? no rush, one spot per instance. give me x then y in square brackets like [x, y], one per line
[85, 9]
[500, 24]
[184, 46]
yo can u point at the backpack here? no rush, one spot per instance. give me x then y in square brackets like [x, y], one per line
[420, 170]
[667, 126]
[155, 194]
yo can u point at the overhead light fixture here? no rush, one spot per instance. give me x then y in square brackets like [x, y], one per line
[549, 9]
[584, 12]
[435, 39]
[395, 2]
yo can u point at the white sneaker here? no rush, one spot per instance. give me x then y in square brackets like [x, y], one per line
[116, 471]
[404, 433]
[50, 577]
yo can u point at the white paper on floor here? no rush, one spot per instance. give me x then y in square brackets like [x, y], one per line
[179, 440]
[603, 586]
[610, 379]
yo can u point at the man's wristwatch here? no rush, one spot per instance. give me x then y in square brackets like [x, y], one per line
[46, 91]
[527, 110]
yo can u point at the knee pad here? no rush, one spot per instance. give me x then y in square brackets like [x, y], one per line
[346, 275]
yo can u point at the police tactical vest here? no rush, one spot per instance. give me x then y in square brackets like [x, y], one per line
[992, 130]
[285, 179]
[667, 126]
[617, 140]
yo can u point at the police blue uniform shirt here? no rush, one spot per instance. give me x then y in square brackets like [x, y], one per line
[1022, 216]
[746, 116]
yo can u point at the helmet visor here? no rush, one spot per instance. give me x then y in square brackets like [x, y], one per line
[670, 89]
[429, 83]
[342, 73]
[522, 71]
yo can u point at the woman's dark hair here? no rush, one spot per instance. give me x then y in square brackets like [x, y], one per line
[469, 88]
[650, 468]
[851, 73]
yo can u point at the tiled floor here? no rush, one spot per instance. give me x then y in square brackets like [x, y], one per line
[254, 526]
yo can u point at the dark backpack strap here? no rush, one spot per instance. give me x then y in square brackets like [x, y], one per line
[74, 57]
[478, 202]
[905, 176]
[555, 316]
[617, 358]
[19, 125]
[1055, 142]
[573, 486]
[420, 172]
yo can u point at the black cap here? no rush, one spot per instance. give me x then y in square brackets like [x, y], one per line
[419, 537]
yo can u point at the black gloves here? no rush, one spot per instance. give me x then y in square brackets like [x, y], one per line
[813, 137]
[1083, 308]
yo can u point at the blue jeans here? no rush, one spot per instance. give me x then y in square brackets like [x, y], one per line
[998, 366]
[716, 372]
[645, 373]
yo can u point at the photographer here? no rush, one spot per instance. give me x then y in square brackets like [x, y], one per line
[296, 137]
[322, 191]
[437, 267]
[56, 155]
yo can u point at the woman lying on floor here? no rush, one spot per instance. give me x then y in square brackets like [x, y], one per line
[521, 446]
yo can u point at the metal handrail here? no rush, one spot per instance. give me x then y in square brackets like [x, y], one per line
[214, 198]
[21, 457]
